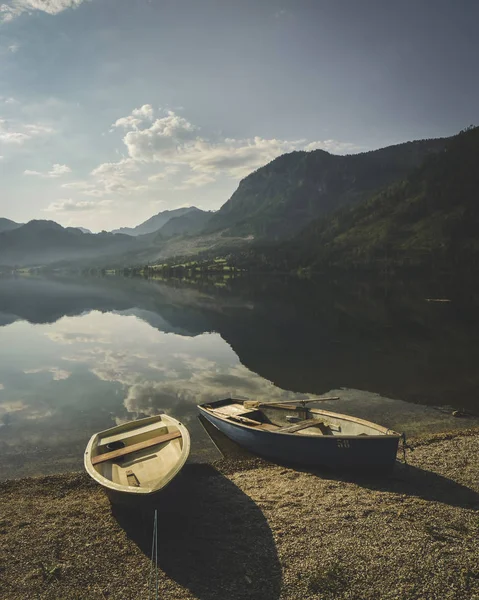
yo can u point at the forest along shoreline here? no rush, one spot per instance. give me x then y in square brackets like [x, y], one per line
[252, 529]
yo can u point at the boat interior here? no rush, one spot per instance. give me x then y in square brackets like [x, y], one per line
[141, 456]
[287, 418]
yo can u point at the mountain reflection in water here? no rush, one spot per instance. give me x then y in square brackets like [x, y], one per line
[79, 355]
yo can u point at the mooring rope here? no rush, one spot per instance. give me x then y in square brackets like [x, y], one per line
[154, 557]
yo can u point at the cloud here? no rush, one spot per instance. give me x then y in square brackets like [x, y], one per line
[13, 137]
[58, 374]
[57, 170]
[14, 8]
[13, 48]
[237, 158]
[138, 116]
[164, 174]
[75, 338]
[62, 206]
[114, 178]
[165, 138]
[8, 100]
[195, 181]
[15, 133]
[173, 139]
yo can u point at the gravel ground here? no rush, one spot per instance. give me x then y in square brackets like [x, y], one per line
[249, 529]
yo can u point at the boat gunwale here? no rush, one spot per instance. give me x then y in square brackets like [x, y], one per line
[110, 485]
[387, 433]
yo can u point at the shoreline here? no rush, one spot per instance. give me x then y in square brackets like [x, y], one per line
[239, 529]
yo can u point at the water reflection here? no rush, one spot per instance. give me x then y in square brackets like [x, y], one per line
[79, 356]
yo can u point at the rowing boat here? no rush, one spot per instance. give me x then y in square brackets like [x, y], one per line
[140, 457]
[295, 433]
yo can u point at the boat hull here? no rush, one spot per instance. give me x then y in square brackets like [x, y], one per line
[150, 456]
[344, 452]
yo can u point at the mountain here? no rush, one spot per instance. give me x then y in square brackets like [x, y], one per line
[46, 242]
[154, 223]
[282, 197]
[83, 229]
[189, 223]
[7, 225]
[431, 219]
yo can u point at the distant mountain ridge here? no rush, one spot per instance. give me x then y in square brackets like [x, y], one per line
[155, 222]
[282, 197]
[8, 225]
[47, 242]
[190, 223]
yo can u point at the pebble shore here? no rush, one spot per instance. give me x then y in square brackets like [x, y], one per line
[253, 530]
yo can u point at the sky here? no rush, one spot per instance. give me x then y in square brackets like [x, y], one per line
[114, 110]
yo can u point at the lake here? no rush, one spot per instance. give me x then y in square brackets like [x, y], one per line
[78, 355]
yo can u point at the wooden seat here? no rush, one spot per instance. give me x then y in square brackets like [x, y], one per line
[268, 427]
[325, 430]
[135, 447]
[244, 420]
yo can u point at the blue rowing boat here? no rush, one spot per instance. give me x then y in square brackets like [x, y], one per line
[298, 434]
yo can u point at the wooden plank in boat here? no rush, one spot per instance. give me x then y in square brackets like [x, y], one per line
[269, 427]
[245, 420]
[135, 447]
[124, 435]
[228, 410]
[304, 424]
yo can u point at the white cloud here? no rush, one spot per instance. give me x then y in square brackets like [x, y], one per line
[175, 143]
[138, 116]
[58, 374]
[15, 133]
[237, 158]
[173, 139]
[114, 178]
[57, 170]
[164, 139]
[14, 8]
[196, 181]
[165, 174]
[13, 137]
[33, 129]
[8, 100]
[13, 48]
[69, 205]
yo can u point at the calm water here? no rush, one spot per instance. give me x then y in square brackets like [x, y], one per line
[80, 355]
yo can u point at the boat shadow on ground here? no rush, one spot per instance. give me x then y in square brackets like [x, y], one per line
[414, 481]
[403, 479]
[212, 538]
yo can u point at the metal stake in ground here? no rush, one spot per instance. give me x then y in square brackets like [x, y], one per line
[154, 557]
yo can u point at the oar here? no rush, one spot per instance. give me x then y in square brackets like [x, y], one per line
[257, 404]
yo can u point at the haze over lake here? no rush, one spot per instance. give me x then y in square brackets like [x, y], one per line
[79, 355]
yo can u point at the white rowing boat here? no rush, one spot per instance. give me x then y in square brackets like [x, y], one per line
[139, 457]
